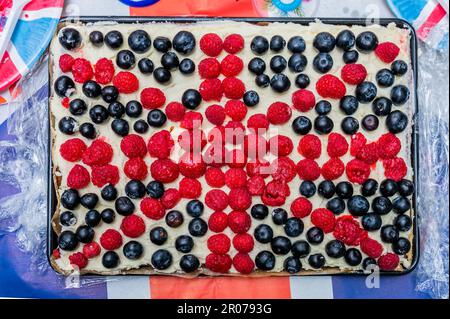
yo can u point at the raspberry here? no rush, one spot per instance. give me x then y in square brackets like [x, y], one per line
[215, 155]
[218, 221]
[104, 71]
[303, 100]
[233, 43]
[175, 111]
[337, 145]
[389, 146]
[233, 88]
[152, 98]
[333, 169]
[310, 146]
[368, 153]
[164, 170]
[358, 140]
[78, 177]
[329, 86]
[236, 158]
[387, 52]
[215, 177]
[106, 174]
[136, 168]
[215, 114]
[132, 226]
[82, 70]
[283, 169]
[388, 261]
[133, 145]
[357, 171]
[235, 177]
[98, 153]
[243, 243]
[239, 222]
[234, 132]
[219, 244]
[152, 208]
[275, 193]
[160, 144]
[126, 82]
[371, 247]
[218, 263]
[56, 253]
[258, 123]
[280, 145]
[348, 230]
[308, 170]
[240, 198]
[111, 239]
[216, 199]
[79, 260]
[258, 167]
[65, 102]
[211, 90]
[72, 150]
[395, 168]
[301, 207]
[231, 65]
[190, 188]
[279, 113]
[170, 198]
[192, 140]
[353, 73]
[236, 109]
[209, 68]
[211, 44]
[255, 146]
[216, 135]
[243, 263]
[192, 120]
[256, 185]
[66, 62]
[91, 250]
[324, 219]
[192, 165]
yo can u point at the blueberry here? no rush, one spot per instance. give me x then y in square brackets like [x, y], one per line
[382, 106]
[324, 42]
[70, 198]
[89, 200]
[155, 189]
[67, 240]
[335, 249]
[389, 234]
[349, 125]
[108, 215]
[279, 216]
[120, 127]
[316, 261]
[133, 109]
[85, 234]
[156, 118]
[385, 78]
[125, 59]
[189, 263]
[92, 89]
[336, 205]
[184, 243]
[259, 45]
[110, 259]
[98, 114]
[405, 187]
[198, 227]
[302, 81]
[396, 122]
[323, 124]
[140, 126]
[135, 189]
[139, 41]
[191, 99]
[345, 40]
[278, 64]
[358, 205]
[401, 246]
[265, 260]
[403, 222]
[296, 44]
[326, 189]
[353, 257]
[257, 66]
[158, 235]
[161, 259]
[381, 205]
[401, 205]
[292, 265]
[307, 189]
[370, 122]
[399, 67]
[170, 60]
[195, 208]
[162, 75]
[116, 109]
[323, 107]
[174, 218]
[109, 192]
[67, 125]
[64, 86]
[350, 56]
[114, 39]
[366, 41]
[315, 235]
[399, 94]
[262, 80]
[280, 83]
[96, 38]
[110, 94]
[367, 262]
[92, 218]
[133, 250]
[323, 62]
[371, 222]
[69, 38]
[344, 190]
[259, 211]
[300, 248]
[348, 104]
[293, 227]
[184, 42]
[280, 245]
[297, 62]
[301, 125]
[187, 66]
[146, 66]
[369, 187]
[388, 187]
[124, 206]
[251, 98]
[162, 44]
[366, 92]
[67, 218]
[263, 233]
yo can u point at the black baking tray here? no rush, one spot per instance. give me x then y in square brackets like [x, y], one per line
[52, 200]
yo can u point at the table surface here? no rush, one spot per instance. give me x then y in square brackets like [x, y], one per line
[18, 280]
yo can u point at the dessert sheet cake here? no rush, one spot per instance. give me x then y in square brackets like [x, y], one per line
[232, 148]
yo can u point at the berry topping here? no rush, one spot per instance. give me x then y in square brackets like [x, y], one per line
[387, 52]
[66, 62]
[324, 219]
[233, 88]
[216, 199]
[231, 65]
[239, 222]
[164, 170]
[308, 170]
[106, 174]
[152, 98]
[78, 177]
[218, 263]
[310, 146]
[136, 168]
[330, 86]
[353, 73]
[216, 114]
[395, 168]
[303, 100]
[211, 44]
[279, 113]
[240, 199]
[301, 207]
[348, 230]
[218, 221]
[133, 146]
[111, 239]
[104, 71]
[160, 144]
[219, 244]
[371, 247]
[133, 226]
[72, 150]
[333, 169]
[357, 171]
[388, 261]
[209, 90]
[243, 263]
[152, 208]
[233, 43]
[126, 82]
[190, 188]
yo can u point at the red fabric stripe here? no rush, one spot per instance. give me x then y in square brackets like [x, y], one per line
[37, 5]
[8, 72]
[435, 16]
